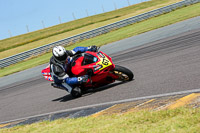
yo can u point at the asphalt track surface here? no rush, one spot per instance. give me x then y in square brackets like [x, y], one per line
[168, 65]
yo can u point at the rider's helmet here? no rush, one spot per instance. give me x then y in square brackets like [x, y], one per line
[60, 54]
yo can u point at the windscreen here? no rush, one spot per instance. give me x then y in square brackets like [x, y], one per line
[89, 59]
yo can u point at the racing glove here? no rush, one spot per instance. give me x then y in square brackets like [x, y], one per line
[92, 48]
[83, 79]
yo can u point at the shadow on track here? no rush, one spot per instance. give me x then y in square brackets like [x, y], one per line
[68, 97]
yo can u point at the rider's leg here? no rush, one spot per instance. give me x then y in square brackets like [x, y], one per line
[75, 91]
[69, 84]
[61, 84]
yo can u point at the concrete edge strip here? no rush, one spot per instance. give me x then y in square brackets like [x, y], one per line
[133, 109]
[107, 103]
[10, 123]
[183, 101]
[102, 112]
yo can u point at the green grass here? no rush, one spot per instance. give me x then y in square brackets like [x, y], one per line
[131, 30]
[38, 38]
[181, 120]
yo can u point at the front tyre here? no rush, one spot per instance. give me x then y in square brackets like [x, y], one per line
[123, 73]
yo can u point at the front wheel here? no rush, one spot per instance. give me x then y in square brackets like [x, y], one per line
[123, 73]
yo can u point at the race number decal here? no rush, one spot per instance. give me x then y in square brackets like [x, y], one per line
[104, 61]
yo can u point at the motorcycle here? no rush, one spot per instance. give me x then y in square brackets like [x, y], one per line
[100, 69]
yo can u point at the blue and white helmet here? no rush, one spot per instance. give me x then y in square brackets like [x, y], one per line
[60, 54]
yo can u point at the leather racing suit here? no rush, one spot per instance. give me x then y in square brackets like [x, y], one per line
[61, 72]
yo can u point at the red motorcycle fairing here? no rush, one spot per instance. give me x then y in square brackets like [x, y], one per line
[46, 73]
[101, 65]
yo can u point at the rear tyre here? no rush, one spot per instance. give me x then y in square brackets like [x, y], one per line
[123, 73]
[76, 92]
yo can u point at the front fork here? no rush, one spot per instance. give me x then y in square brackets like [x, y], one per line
[113, 75]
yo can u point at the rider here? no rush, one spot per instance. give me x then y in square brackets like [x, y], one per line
[60, 69]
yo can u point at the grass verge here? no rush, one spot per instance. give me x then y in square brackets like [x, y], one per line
[38, 38]
[131, 30]
[180, 120]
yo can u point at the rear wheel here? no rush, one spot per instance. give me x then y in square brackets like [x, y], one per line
[123, 73]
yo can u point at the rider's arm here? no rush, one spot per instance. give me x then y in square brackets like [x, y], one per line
[77, 50]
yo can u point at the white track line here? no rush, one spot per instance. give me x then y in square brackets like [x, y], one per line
[106, 103]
